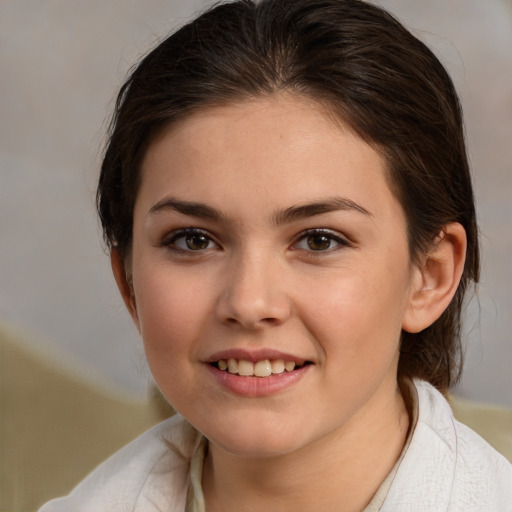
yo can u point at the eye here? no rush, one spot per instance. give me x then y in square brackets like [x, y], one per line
[190, 240]
[319, 240]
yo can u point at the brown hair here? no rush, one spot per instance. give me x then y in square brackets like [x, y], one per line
[361, 63]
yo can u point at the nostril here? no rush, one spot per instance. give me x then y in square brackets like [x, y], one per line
[251, 323]
[252, 305]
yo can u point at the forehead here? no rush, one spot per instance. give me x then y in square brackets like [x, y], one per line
[287, 148]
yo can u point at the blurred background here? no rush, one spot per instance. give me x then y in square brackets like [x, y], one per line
[61, 64]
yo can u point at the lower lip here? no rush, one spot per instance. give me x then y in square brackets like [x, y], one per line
[257, 386]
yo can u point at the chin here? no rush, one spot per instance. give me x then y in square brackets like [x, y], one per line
[259, 449]
[257, 439]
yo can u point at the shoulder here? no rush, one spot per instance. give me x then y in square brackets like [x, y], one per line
[131, 480]
[448, 467]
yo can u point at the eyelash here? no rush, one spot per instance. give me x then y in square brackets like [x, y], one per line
[172, 238]
[327, 235]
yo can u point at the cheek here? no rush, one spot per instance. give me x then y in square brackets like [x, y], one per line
[172, 315]
[171, 310]
[357, 316]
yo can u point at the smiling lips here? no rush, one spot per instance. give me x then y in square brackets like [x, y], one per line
[259, 373]
[264, 368]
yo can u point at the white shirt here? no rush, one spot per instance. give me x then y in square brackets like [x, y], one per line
[445, 467]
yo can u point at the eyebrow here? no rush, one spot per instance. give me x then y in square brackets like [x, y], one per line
[332, 204]
[190, 208]
[293, 213]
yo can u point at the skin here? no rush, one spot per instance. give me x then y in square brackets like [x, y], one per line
[255, 281]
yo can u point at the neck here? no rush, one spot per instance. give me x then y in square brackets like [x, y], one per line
[361, 453]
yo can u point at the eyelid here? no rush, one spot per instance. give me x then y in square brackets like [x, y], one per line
[337, 237]
[170, 238]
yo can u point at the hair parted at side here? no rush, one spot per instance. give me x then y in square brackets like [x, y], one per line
[360, 63]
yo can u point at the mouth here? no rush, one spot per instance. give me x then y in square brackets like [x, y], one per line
[263, 369]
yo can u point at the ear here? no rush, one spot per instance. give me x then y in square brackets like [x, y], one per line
[436, 279]
[122, 275]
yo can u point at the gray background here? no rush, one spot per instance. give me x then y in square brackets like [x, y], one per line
[61, 63]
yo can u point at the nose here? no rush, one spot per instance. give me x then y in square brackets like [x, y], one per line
[253, 294]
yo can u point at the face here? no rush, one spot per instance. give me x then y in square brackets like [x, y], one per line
[271, 275]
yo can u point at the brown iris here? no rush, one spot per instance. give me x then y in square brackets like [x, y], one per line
[196, 241]
[319, 242]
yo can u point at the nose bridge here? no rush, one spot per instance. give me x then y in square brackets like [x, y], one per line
[253, 295]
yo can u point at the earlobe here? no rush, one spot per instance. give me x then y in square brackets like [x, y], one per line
[124, 283]
[436, 279]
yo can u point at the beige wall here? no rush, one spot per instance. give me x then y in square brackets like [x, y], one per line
[60, 64]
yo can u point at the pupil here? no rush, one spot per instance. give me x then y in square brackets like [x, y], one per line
[319, 242]
[196, 242]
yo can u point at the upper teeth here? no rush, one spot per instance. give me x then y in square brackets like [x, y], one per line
[263, 368]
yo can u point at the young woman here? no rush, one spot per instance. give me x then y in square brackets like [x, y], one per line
[287, 201]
